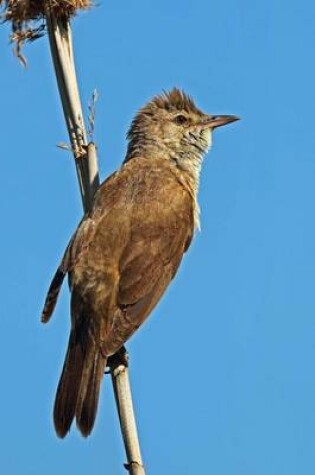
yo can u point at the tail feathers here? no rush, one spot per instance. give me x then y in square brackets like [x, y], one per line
[87, 403]
[52, 295]
[68, 387]
[79, 386]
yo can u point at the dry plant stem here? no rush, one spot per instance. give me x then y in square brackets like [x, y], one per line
[120, 379]
[92, 168]
[60, 39]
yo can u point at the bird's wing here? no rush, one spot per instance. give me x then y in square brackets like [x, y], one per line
[161, 228]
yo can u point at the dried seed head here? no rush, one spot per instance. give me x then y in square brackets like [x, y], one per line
[28, 17]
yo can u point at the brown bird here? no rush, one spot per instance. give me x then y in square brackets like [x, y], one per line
[128, 247]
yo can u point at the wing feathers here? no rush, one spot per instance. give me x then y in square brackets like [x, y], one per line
[52, 295]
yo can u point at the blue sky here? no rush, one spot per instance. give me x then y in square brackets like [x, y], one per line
[223, 372]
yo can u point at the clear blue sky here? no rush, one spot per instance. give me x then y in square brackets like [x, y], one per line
[223, 374]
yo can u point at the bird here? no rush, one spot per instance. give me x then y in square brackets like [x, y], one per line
[127, 248]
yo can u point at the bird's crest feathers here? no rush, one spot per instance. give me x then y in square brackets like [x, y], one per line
[174, 100]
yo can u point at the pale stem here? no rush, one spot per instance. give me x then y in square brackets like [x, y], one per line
[122, 390]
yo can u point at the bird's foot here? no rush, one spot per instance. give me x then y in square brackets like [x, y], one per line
[121, 357]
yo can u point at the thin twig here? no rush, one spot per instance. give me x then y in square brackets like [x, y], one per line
[123, 396]
[85, 156]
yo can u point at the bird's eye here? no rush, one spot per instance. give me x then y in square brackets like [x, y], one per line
[180, 119]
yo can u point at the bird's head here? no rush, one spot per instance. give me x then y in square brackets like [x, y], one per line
[171, 125]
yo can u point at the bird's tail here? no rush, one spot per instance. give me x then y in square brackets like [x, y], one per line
[79, 386]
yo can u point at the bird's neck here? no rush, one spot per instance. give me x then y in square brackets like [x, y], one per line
[186, 161]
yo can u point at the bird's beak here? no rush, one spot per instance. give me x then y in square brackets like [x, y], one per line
[218, 120]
